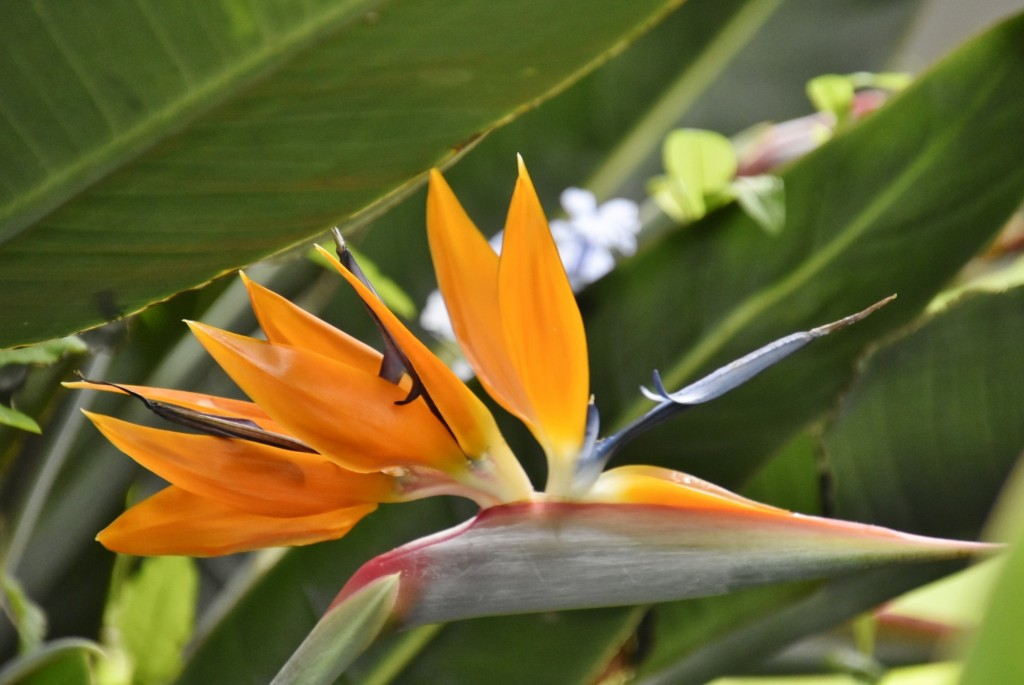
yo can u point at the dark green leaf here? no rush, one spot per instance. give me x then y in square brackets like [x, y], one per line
[556, 648]
[150, 149]
[756, 633]
[928, 433]
[284, 603]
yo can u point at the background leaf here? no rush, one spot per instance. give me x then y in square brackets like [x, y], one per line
[929, 432]
[341, 635]
[166, 145]
[61, 661]
[719, 64]
[153, 616]
[995, 655]
[897, 204]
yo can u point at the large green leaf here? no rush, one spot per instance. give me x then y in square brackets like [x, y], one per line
[895, 205]
[156, 146]
[927, 435]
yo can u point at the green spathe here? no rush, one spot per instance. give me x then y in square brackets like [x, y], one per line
[546, 556]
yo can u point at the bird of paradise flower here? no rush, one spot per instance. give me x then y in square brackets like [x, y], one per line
[334, 428]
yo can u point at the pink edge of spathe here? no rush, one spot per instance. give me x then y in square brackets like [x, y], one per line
[411, 561]
[395, 562]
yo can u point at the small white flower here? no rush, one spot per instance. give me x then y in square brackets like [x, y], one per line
[612, 225]
[588, 239]
[434, 317]
[584, 261]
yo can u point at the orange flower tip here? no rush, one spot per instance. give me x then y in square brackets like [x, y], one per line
[436, 178]
[328, 254]
[521, 165]
[245, 279]
[199, 328]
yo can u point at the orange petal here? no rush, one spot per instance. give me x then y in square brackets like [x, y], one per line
[345, 413]
[175, 521]
[542, 326]
[467, 275]
[638, 484]
[284, 323]
[255, 478]
[468, 418]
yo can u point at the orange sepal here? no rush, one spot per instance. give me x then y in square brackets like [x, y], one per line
[467, 275]
[469, 420]
[176, 522]
[348, 415]
[542, 325]
[245, 475]
[286, 324]
[638, 484]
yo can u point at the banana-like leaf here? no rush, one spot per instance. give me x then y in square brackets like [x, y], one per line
[151, 148]
[522, 558]
[929, 432]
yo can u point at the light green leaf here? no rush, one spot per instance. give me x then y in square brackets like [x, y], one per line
[341, 635]
[45, 352]
[28, 619]
[995, 655]
[389, 291]
[763, 198]
[154, 615]
[892, 81]
[832, 93]
[63, 662]
[12, 417]
[163, 145]
[698, 166]
[1000, 279]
